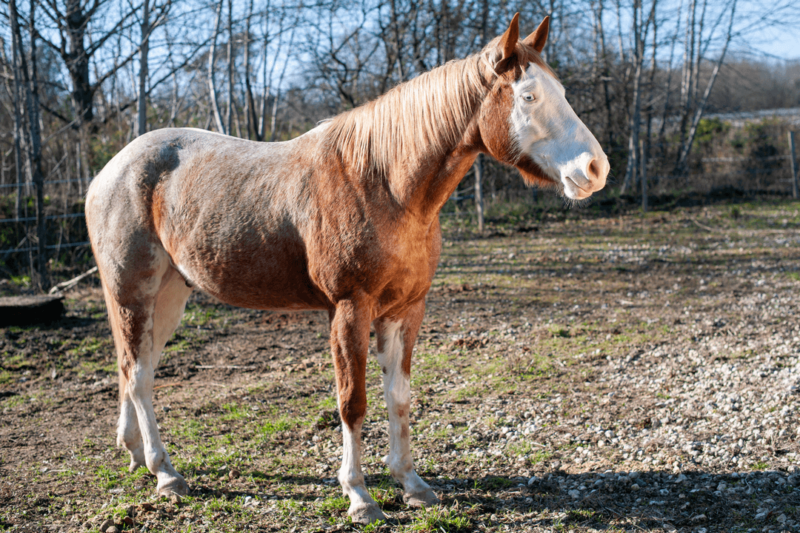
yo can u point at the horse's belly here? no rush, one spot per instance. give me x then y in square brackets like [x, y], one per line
[271, 278]
[269, 299]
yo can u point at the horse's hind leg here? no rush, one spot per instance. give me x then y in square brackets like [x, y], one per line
[395, 344]
[144, 307]
[128, 434]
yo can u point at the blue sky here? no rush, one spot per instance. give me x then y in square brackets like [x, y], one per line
[778, 42]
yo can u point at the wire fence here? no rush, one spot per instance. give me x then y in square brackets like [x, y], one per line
[758, 167]
[66, 235]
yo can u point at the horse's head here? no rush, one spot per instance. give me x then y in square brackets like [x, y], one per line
[525, 120]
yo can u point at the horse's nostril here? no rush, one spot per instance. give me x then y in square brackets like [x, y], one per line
[593, 170]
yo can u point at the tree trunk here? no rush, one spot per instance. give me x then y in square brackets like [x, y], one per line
[606, 77]
[631, 171]
[34, 141]
[479, 159]
[640, 28]
[273, 126]
[144, 49]
[212, 89]
[18, 126]
[266, 76]
[77, 61]
[688, 70]
[249, 108]
[479, 191]
[686, 146]
[27, 310]
[229, 116]
[665, 113]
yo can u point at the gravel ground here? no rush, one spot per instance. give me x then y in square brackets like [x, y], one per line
[594, 374]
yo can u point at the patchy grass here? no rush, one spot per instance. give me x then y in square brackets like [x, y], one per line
[446, 520]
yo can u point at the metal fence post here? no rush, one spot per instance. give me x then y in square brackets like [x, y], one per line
[795, 192]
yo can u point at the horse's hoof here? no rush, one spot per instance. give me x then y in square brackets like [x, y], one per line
[134, 466]
[424, 498]
[174, 485]
[365, 513]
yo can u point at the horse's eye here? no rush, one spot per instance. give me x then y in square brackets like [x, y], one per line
[528, 97]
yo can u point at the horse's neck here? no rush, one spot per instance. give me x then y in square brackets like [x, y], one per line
[424, 177]
[414, 138]
[425, 186]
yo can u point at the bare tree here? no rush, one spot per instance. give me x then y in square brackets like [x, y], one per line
[211, 84]
[274, 118]
[25, 76]
[484, 27]
[686, 146]
[639, 31]
[249, 107]
[143, 51]
[230, 111]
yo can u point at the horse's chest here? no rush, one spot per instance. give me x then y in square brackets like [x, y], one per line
[407, 270]
[391, 266]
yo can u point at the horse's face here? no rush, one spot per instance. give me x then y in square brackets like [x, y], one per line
[540, 134]
[547, 131]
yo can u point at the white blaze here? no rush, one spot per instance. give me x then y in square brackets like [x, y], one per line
[547, 129]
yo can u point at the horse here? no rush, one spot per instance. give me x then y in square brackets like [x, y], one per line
[343, 218]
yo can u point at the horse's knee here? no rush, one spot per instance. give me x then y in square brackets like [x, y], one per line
[353, 408]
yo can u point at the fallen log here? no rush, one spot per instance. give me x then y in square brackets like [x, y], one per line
[28, 310]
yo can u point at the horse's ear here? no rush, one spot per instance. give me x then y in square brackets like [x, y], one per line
[538, 38]
[508, 42]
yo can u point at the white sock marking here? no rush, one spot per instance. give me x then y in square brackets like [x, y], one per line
[397, 394]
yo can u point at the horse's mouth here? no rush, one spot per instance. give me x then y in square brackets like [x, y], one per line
[573, 191]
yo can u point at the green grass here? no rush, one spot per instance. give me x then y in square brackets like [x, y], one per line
[496, 483]
[271, 427]
[334, 504]
[444, 520]
[110, 478]
[539, 457]
[535, 351]
[90, 345]
[15, 401]
[189, 428]
[181, 345]
[521, 448]
[234, 411]
[90, 367]
[198, 315]
[327, 403]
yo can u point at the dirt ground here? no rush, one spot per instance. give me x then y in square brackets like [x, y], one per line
[573, 373]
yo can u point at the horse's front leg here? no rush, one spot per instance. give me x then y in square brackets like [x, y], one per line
[395, 344]
[350, 346]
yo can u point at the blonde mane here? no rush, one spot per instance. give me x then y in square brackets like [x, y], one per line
[421, 118]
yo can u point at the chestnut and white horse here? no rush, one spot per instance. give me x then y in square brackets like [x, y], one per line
[343, 218]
